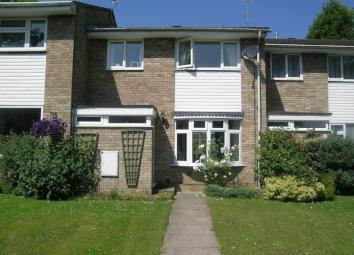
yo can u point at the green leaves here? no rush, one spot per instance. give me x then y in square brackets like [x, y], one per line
[335, 22]
[44, 169]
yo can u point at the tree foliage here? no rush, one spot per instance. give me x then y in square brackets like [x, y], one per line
[335, 22]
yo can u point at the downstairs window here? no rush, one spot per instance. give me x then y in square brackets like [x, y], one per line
[193, 137]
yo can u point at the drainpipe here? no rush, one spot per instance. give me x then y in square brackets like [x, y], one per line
[259, 107]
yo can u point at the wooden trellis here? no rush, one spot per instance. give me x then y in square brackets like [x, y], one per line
[133, 145]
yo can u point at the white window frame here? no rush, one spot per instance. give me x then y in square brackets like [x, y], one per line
[27, 31]
[341, 68]
[291, 126]
[340, 133]
[124, 67]
[222, 65]
[287, 77]
[191, 53]
[208, 129]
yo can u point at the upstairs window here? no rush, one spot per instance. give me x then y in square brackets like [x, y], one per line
[207, 55]
[341, 67]
[125, 55]
[22, 33]
[286, 66]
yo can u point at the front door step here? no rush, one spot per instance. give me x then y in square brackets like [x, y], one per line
[191, 187]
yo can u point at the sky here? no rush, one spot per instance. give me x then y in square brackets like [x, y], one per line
[288, 18]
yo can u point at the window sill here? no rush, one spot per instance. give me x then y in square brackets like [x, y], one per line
[288, 79]
[23, 49]
[340, 80]
[125, 69]
[180, 164]
[209, 69]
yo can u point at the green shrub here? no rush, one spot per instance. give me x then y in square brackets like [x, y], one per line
[214, 190]
[290, 188]
[44, 169]
[283, 153]
[345, 182]
[328, 181]
[335, 155]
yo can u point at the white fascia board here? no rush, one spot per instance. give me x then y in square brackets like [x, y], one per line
[300, 48]
[298, 118]
[148, 111]
[123, 35]
[37, 10]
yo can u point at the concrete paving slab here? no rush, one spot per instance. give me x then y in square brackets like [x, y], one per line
[190, 227]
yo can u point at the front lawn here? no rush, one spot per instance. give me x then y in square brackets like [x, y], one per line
[81, 226]
[271, 227]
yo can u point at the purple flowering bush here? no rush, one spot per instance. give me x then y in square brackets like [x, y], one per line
[54, 128]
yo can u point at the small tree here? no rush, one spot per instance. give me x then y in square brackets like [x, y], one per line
[335, 22]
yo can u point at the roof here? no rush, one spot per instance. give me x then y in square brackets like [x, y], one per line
[46, 8]
[177, 32]
[180, 28]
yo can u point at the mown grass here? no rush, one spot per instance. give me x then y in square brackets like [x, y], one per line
[270, 227]
[81, 226]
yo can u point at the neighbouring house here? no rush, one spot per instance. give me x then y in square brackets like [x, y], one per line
[153, 95]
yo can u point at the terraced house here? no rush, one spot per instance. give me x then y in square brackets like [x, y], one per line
[153, 95]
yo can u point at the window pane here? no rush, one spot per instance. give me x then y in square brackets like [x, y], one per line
[13, 23]
[218, 141]
[230, 54]
[184, 53]
[37, 33]
[117, 54]
[88, 119]
[337, 128]
[334, 67]
[12, 40]
[350, 131]
[234, 124]
[294, 66]
[207, 54]
[278, 124]
[218, 124]
[199, 145]
[348, 67]
[134, 54]
[127, 119]
[182, 147]
[182, 124]
[310, 124]
[18, 120]
[199, 124]
[235, 141]
[278, 66]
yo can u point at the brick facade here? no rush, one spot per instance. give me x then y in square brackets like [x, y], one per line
[66, 68]
[110, 139]
[155, 85]
[309, 95]
[249, 107]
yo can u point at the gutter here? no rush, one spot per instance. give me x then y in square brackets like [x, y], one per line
[37, 9]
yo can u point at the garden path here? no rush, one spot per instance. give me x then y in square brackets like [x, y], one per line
[190, 227]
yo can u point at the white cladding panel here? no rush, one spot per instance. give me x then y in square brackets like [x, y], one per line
[208, 91]
[341, 101]
[109, 163]
[22, 79]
